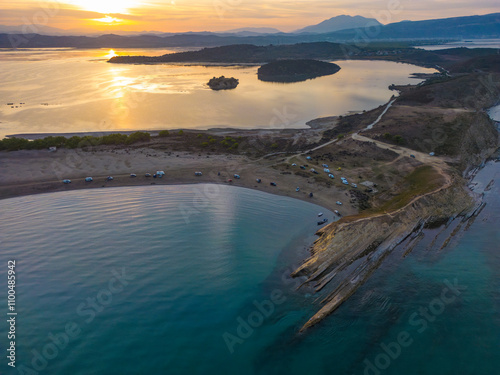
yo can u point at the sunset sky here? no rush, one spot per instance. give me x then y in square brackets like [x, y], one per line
[219, 15]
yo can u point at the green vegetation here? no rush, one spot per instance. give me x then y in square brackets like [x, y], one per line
[228, 142]
[164, 133]
[138, 137]
[421, 181]
[295, 70]
[394, 138]
[15, 144]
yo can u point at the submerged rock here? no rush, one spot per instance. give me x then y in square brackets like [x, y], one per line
[223, 83]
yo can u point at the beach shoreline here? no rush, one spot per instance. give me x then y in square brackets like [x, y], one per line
[39, 171]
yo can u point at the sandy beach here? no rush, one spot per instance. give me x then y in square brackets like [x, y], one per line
[34, 172]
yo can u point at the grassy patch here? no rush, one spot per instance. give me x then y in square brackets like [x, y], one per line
[422, 180]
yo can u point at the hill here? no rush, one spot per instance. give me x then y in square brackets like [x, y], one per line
[487, 26]
[342, 22]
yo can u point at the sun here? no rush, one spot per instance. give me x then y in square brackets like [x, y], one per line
[108, 19]
[107, 6]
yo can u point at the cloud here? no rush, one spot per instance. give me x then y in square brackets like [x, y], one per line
[197, 15]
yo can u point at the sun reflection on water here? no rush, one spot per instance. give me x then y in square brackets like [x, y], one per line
[111, 53]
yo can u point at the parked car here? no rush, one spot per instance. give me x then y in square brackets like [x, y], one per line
[133, 175]
[66, 181]
[272, 183]
[89, 179]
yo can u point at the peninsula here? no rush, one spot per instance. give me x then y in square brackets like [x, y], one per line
[406, 164]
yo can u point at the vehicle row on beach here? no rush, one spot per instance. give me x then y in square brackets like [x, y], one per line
[160, 174]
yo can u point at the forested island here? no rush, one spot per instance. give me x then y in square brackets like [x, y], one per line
[295, 70]
[326, 51]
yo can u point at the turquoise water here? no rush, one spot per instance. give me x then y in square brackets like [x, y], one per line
[195, 266]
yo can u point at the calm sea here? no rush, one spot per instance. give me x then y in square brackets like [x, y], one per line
[70, 90]
[194, 280]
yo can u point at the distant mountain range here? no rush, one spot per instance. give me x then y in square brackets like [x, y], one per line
[339, 23]
[252, 31]
[471, 27]
[54, 31]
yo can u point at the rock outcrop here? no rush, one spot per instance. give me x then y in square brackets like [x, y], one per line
[223, 83]
[351, 249]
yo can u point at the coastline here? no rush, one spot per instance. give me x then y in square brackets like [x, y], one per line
[420, 176]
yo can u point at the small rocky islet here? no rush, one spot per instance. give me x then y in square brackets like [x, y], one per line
[223, 83]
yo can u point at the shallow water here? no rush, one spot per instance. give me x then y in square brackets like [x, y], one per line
[203, 260]
[469, 43]
[68, 90]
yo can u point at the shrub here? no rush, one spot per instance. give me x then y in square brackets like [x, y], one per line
[164, 133]
[14, 144]
[399, 139]
[73, 142]
[114, 139]
[138, 137]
